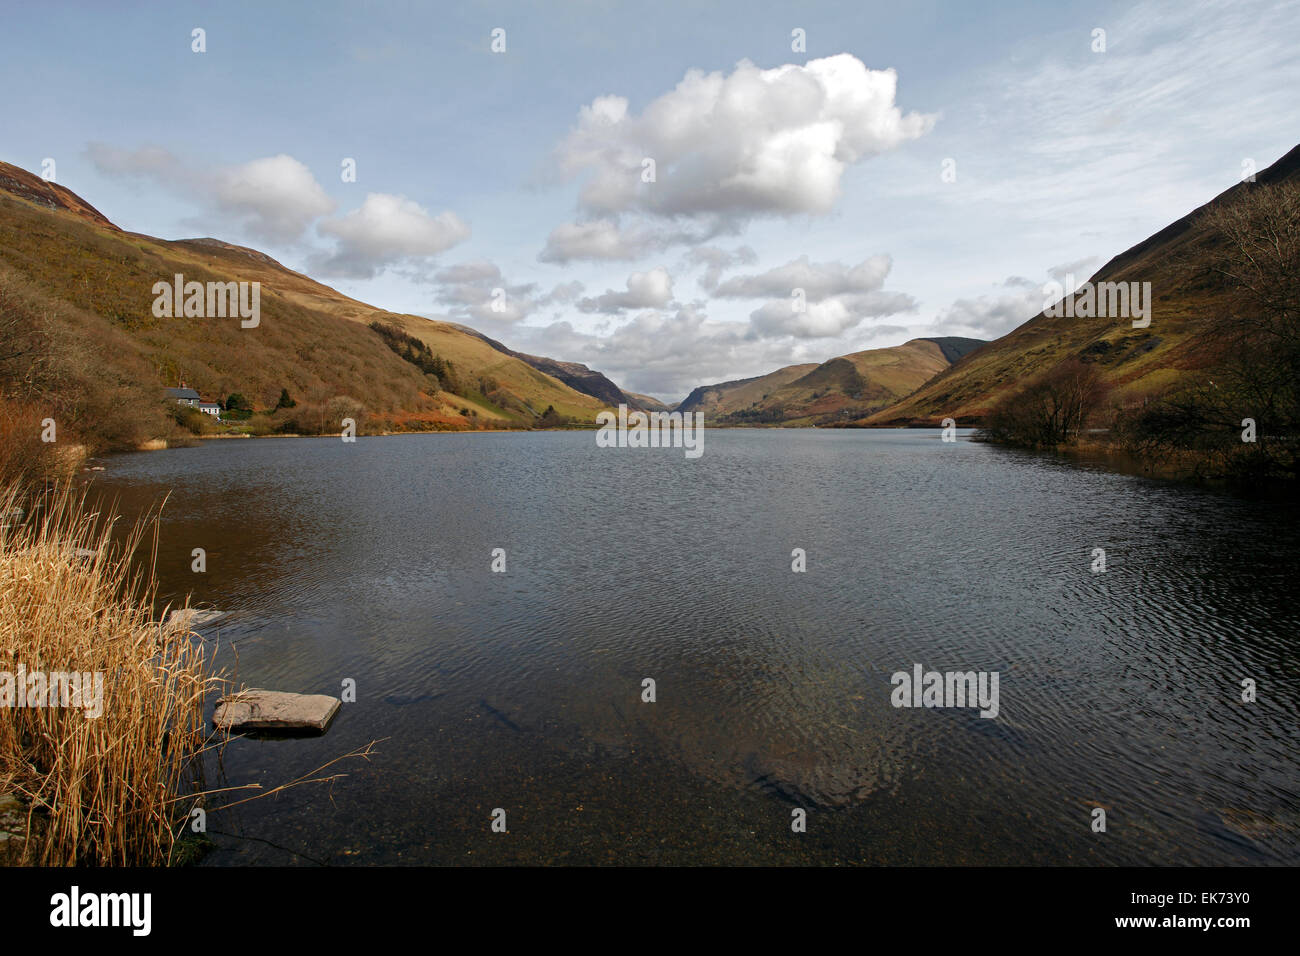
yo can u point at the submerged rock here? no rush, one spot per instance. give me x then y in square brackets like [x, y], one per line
[270, 711]
[193, 617]
[13, 829]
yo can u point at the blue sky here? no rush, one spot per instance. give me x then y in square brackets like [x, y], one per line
[520, 171]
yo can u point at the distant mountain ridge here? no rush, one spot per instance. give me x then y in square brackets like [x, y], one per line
[837, 390]
[576, 376]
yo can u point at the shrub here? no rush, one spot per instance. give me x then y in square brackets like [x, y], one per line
[23, 456]
[1051, 410]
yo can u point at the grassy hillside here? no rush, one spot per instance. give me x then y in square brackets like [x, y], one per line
[80, 290]
[840, 389]
[1132, 364]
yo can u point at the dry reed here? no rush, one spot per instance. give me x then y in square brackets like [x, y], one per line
[105, 790]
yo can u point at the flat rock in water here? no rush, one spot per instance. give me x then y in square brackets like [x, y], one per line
[193, 617]
[271, 711]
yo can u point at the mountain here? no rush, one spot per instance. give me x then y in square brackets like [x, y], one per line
[719, 401]
[577, 376]
[88, 285]
[647, 403]
[840, 389]
[1134, 363]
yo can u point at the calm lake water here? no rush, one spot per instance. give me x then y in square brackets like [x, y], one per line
[522, 690]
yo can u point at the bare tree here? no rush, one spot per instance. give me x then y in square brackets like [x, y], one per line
[1051, 410]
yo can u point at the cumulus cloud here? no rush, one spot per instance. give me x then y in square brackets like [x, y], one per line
[645, 290]
[613, 241]
[387, 231]
[478, 270]
[991, 316]
[830, 317]
[563, 292]
[600, 239]
[817, 299]
[818, 280]
[727, 148]
[477, 292]
[274, 198]
[716, 261]
[751, 142]
[1015, 302]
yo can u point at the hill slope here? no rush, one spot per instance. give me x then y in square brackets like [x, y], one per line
[19, 182]
[92, 284]
[1134, 363]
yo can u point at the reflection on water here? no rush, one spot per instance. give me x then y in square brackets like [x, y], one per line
[522, 690]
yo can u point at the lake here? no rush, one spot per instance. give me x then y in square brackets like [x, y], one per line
[523, 690]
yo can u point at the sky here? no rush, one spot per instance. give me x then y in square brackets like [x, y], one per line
[675, 194]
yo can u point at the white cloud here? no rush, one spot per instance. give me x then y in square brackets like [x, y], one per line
[832, 297]
[596, 240]
[645, 290]
[613, 241]
[716, 261]
[818, 280]
[277, 198]
[749, 143]
[274, 198]
[1016, 302]
[992, 316]
[563, 292]
[387, 231]
[727, 148]
[479, 270]
[830, 317]
[477, 292]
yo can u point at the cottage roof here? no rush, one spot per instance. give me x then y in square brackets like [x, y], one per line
[182, 393]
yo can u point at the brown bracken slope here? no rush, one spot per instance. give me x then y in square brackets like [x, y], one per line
[93, 282]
